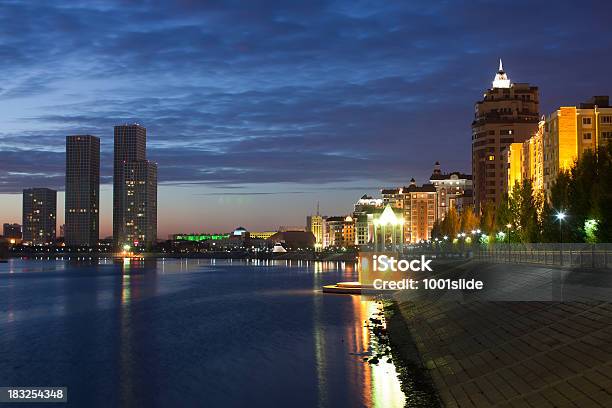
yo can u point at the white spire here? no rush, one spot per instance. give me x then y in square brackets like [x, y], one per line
[501, 79]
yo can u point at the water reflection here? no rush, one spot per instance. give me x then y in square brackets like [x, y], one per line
[179, 332]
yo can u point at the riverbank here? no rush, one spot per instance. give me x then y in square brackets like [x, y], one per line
[288, 256]
[416, 383]
[517, 344]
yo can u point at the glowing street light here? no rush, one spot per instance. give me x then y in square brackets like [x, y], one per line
[560, 216]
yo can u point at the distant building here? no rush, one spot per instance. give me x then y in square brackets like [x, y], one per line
[561, 139]
[508, 113]
[315, 224]
[419, 206]
[130, 145]
[139, 202]
[294, 239]
[4, 248]
[199, 237]
[339, 232]
[12, 232]
[420, 211]
[364, 213]
[82, 209]
[261, 234]
[450, 186]
[39, 215]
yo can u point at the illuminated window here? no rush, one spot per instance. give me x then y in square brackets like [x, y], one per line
[490, 157]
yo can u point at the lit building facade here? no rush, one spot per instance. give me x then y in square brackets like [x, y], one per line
[365, 211]
[139, 203]
[316, 225]
[262, 234]
[419, 206]
[39, 216]
[199, 237]
[561, 139]
[420, 211]
[339, 232]
[450, 187]
[508, 113]
[82, 190]
[130, 144]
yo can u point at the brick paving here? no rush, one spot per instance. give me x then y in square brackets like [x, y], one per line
[533, 353]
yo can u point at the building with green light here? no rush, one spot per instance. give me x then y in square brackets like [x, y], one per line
[199, 237]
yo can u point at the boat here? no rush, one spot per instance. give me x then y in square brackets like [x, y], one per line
[353, 288]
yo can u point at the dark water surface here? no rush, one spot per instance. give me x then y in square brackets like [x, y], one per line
[189, 333]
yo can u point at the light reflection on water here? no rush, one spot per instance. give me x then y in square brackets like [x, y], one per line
[168, 332]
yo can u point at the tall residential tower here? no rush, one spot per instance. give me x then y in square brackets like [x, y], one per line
[82, 215]
[134, 189]
[508, 113]
[39, 215]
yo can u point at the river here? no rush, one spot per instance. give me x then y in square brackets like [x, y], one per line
[190, 333]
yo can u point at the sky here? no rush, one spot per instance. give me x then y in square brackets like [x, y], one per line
[257, 110]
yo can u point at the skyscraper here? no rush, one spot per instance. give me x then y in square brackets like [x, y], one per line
[133, 189]
[507, 114]
[139, 202]
[82, 190]
[39, 215]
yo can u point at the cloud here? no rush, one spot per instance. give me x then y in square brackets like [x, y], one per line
[239, 93]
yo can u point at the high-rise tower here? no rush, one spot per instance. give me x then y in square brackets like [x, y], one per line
[507, 114]
[132, 189]
[39, 215]
[82, 214]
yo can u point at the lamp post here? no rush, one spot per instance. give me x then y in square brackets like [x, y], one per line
[508, 226]
[560, 217]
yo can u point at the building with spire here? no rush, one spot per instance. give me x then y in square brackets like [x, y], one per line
[508, 113]
[316, 225]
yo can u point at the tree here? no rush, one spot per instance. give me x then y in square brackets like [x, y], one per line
[487, 218]
[468, 220]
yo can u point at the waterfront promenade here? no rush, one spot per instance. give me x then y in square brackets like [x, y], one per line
[537, 337]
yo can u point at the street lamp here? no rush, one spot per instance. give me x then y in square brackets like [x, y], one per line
[560, 217]
[508, 226]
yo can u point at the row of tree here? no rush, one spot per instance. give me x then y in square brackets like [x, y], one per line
[580, 199]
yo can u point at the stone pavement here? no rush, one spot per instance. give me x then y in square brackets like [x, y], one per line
[483, 352]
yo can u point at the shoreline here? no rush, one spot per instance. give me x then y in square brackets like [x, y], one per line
[288, 256]
[416, 384]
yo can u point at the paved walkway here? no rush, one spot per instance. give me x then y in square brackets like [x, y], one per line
[484, 352]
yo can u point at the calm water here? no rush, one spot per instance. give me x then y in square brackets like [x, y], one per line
[189, 333]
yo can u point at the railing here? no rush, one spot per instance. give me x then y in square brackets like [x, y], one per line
[567, 255]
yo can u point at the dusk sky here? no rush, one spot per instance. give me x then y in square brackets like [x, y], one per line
[256, 110]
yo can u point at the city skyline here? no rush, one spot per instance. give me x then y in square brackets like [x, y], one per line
[252, 127]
